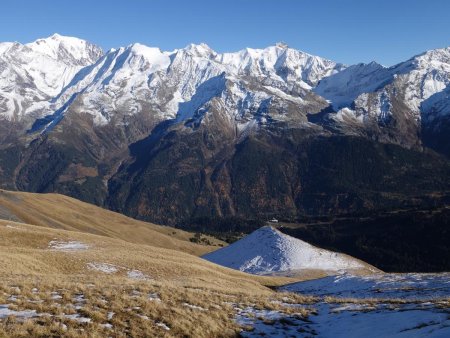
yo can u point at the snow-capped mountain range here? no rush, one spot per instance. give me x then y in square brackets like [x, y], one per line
[102, 126]
[53, 75]
[268, 250]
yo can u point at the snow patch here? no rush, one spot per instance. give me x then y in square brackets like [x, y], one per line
[194, 307]
[330, 323]
[137, 274]
[55, 296]
[163, 326]
[268, 323]
[419, 314]
[67, 245]
[103, 267]
[6, 312]
[78, 318]
[9, 226]
[154, 297]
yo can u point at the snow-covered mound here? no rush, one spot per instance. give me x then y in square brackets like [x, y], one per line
[267, 250]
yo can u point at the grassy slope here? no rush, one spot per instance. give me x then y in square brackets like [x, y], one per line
[25, 250]
[27, 262]
[62, 212]
[197, 298]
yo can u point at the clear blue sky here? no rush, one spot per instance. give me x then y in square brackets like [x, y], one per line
[348, 31]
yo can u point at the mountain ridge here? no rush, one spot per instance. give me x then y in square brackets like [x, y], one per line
[284, 66]
[171, 136]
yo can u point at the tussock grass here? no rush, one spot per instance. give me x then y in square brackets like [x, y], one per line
[188, 295]
[62, 212]
[135, 314]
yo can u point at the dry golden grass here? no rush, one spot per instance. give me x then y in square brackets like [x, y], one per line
[127, 308]
[25, 248]
[62, 212]
[197, 298]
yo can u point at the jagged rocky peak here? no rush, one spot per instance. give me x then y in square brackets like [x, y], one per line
[343, 87]
[280, 63]
[440, 55]
[281, 44]
[406, 91]
[200, 50]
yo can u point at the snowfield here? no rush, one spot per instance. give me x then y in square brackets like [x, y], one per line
[411, 286]
[382, 305]
[399, 322]
[267, 250]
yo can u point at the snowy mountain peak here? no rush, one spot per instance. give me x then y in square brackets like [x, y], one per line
[140, 79]
[32, 75]
[6, 46]
[200, 50]
[140, 49]
[280, 63]
[440, 54]
[148, 57]
[373, 65]
[268, 250]
[70, 50]
[438, 59]
[282, 45]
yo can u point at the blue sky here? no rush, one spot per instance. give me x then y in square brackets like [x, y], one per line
[347, 31]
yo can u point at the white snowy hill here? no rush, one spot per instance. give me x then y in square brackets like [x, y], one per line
[267, 251]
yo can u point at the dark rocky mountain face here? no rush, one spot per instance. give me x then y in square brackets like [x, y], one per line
[191, 134]
[267, 175]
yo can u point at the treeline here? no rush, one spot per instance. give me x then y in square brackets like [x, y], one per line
[228, 229]
[403, 241]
